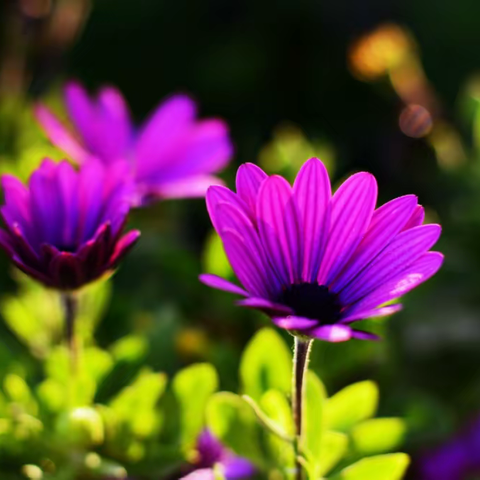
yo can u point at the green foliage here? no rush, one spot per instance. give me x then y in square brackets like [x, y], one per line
[193, 386]
[381, 467]
[234, 423]
[266, 364]
[101, 412]
[214, 257]
[351, 405]
[378, 435]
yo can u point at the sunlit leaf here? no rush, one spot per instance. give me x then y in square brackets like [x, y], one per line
[82, 426]
[193, 386]
[381, 467]
[332, 449]
[276, 407]
[378, 435]
[235, 424]
[214, 258]
[266, 364]
[129, 348]
[135, 404]
[313, 425]
[351, 405]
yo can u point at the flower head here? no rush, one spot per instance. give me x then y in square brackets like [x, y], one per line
[172, 155]
[212, 454]
[65, 227]
[314, 262]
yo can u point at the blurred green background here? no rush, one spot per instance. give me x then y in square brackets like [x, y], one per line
[392, 87]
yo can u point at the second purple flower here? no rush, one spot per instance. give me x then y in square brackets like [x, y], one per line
[173, 155]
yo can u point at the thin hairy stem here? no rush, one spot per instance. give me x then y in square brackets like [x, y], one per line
[300, 366]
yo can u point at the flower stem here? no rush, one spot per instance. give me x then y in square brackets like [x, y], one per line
[300, 366]
[70, 307]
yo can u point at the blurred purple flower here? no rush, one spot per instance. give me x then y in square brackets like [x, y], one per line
[65, 228]
[457, 459]
[315, 262]
[173, 155]
[212, 454]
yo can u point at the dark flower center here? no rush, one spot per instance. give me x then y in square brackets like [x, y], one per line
[67, 248]
[313, 301]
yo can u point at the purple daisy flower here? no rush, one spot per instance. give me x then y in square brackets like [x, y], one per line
[211, 454]
[65, 228]
[314, 262]
[173, 155]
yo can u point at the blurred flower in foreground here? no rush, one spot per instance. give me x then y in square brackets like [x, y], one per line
[65, 228]
[457, 459]
[315, 262]
[173, 155]
[212, 456]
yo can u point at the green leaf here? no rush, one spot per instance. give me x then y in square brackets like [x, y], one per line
[276, 408]
[266, 364]
[214, 258]
[351, 405]
[265, 421]
[378, 435]
[82, 426]
[135, 405]
[315, 396]
[381, 467]
[234, 423]
[193, 386]
[333, 448]
[130, 348]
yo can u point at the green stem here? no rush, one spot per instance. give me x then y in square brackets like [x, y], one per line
[300, 366]
[70, 307]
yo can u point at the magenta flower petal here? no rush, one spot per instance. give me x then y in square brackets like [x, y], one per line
[201, 474]
[73, 219]
[418, 272]
[332, 333]
[352, 208]
[314, 211]
[402, 252]
[278, 222]
[60, 135]
[220, 283]
[173, 155]
[417, 218]
[114, 131]
[237, 468]
[270, 308]
[168, 124]
[371, 313]
[190, 187]
[233, 219]
[217, 194]
[329, 260]
[387, 222]
[249, 269]
[291, 322]
[361, 335]
[123, 246]
[248, 181]
[208, 143]
[212, 454]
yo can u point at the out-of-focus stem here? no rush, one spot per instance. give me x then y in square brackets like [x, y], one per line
[300, 365]
[70, 306]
